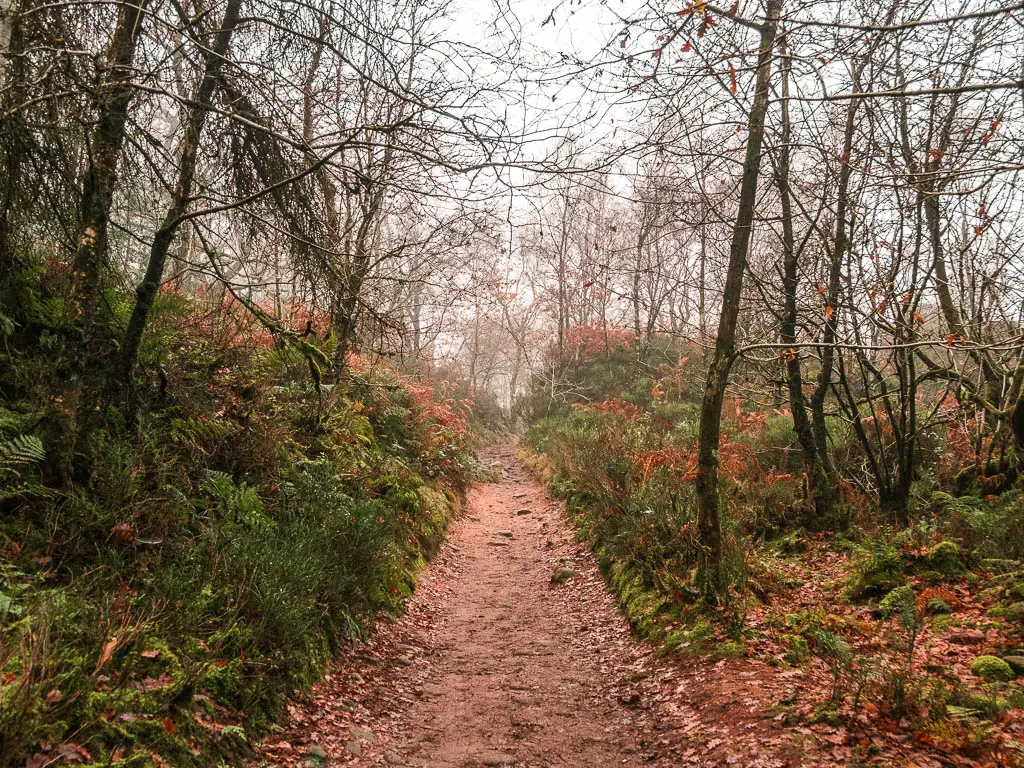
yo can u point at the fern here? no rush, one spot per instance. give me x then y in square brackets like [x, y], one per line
[239, 504]
[30, 490]
[962, 713]
[20, 453]
[193, 431]
[837, 653]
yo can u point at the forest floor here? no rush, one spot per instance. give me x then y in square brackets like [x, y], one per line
[513, 652]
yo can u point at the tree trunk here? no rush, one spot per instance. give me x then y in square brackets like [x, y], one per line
[12, 81]
[114, 96]
[160, 248]
[712, 571]
[822, 489]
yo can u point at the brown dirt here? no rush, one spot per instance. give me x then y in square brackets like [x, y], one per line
[493, 664]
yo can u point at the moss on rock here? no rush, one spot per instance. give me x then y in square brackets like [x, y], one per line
[945, 558]
[992, 669]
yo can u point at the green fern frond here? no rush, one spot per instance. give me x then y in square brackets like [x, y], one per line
[962, 713]
[195, 432]
[19, 453]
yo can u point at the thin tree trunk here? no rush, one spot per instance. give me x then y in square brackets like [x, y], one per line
[828, 479]
[146, 292]
[12, 81]
[115, 94]
[702, 316]
[822, 489]
[712, 571]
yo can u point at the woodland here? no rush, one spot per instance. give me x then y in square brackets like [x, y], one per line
[738, 287]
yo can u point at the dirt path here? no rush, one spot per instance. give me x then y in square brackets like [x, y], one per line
[515, 677]
[494, 664]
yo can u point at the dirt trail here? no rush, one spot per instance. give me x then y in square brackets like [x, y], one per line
[514, 678]
[493, 664]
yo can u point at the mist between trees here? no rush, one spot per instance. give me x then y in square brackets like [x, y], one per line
[824, 197]
[811, 206]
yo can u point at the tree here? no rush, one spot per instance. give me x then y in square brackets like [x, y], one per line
[709, 515]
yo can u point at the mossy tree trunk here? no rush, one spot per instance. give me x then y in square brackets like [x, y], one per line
[113, 98]
[164, 237]
[711, 571]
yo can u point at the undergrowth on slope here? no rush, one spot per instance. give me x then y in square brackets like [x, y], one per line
[232, 532]
[886, 623]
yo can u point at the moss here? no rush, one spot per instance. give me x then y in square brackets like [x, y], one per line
[991, 669]
[941, 502]
[945, 558]
[690, 640]
[794, 544]
[938, 607]
[877, 570]
[942, 623]
[828, 714]
[1015, 591]
[730, 649]
[1002, 612]
[897, 601]
[798, 650]
[641, 604]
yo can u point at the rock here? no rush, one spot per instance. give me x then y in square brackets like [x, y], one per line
[392, 758]
[404, 661]
[494, 758]
[348, 705]
[1015, 591]
[524, 701]
[524, 511]
[967, 636]
[506, 534]
[562, 575]
[317, 752]
[363, 734]
[992, 669]
[1016, 664]
[999, 565]
[498, 543]
[355, 748]
[945, 558]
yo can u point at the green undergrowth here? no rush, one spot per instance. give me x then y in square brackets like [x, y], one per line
[229, 536]
[626, 475]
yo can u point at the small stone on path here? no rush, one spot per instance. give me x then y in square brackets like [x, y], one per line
[363, 734]
[316, 751]
[495, 758]
[1016, 664]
